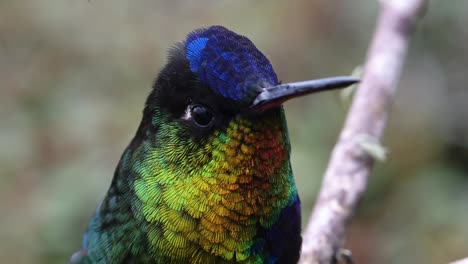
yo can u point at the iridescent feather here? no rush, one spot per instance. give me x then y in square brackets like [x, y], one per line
[181, 194]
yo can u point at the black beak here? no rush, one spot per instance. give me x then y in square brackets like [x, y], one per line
[273, 96]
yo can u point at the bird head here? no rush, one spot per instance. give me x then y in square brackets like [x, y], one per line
[216, 88]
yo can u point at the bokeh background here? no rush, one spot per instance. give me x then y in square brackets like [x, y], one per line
[74, 76]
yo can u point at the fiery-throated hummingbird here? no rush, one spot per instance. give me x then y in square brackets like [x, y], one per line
[207, 177]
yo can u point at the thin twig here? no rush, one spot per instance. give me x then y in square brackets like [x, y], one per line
[461, 261]
[348, 170]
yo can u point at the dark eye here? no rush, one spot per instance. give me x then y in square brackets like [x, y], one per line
[202, 116]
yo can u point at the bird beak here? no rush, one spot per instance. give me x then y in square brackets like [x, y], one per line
[272, 96]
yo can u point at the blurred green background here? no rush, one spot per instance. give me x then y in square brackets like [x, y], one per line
[74, 76]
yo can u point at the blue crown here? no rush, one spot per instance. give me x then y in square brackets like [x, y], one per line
[229, 63]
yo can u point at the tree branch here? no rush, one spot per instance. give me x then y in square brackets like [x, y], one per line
[348, 170]
[461, 261]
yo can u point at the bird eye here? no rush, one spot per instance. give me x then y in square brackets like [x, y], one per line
[202, 116]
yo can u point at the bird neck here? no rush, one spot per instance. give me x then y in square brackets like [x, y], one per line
[210, 199]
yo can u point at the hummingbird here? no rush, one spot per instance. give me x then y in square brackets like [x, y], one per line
[207, 177]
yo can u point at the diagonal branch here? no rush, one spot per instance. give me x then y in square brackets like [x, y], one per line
[461, 261]
[351, 162]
